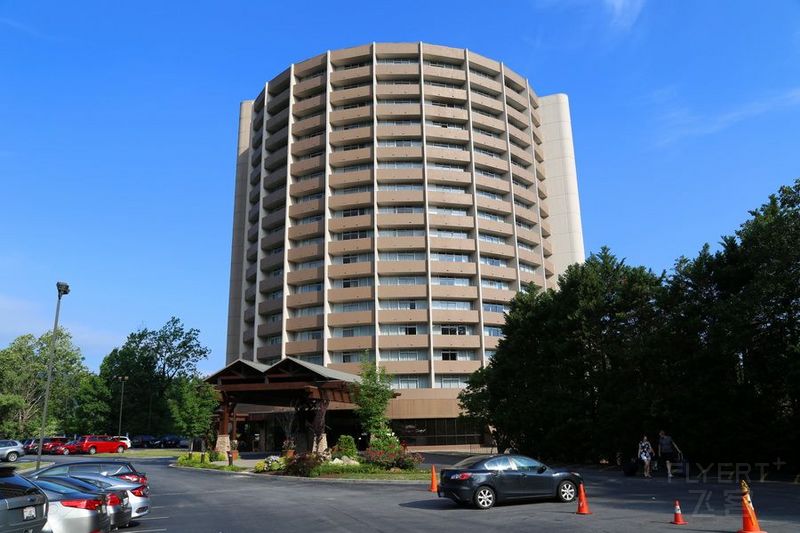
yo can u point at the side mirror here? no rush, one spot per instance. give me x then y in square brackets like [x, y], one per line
[541, 469]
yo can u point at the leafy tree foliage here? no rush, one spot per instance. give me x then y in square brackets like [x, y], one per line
[192, 404]
[372, 396]
[153, 360]
[23, 377]
[710, 352]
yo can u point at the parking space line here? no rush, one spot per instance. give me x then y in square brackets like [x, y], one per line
[153, 518]
[149, 530]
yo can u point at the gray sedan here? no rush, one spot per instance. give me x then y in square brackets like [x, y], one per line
[73, 510]
[11, 450]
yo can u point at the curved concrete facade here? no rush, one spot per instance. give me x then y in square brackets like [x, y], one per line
[392, 198]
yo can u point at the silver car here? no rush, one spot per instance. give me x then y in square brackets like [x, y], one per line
[118, 507]
[73, 510]
[23, 505]
[138, 494]
[11, 450]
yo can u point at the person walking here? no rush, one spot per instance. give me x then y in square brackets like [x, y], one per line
[667, 450]
[645, 454]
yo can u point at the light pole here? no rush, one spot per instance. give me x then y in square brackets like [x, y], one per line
[63, 289]
[121, 379]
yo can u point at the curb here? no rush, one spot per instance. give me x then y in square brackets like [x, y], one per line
[309, 479]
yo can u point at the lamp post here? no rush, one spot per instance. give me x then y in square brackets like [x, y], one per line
[121, 379]
[63, 289]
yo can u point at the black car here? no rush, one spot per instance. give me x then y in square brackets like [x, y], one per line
[167, 441]
[141, 441]
[23, 505]
[484, 480]
[119, 469]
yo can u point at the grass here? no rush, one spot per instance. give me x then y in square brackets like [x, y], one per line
[212, 466]
[24, 467]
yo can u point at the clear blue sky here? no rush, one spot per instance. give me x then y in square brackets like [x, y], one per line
[118, 129]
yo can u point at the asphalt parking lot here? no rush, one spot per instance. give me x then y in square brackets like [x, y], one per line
[206, 501]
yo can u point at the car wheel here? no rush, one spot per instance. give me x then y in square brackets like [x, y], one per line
[12, 457]
[120, 449]
[66, 452]
[92, 450]
[484, 498]
[567, 491]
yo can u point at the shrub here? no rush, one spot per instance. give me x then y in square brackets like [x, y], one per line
[345, 447]
[332, 469]
[302, 465]
[260, 467]
[214, 455]
[408, 461]
[275, 463]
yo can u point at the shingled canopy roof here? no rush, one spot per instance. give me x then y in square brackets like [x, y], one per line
[282, 384]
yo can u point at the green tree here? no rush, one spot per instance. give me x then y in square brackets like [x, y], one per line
[91, 406]
[152, 360]
[371, 397]
[192, 404]
[23, 376]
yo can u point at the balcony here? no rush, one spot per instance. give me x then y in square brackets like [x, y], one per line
[344, 201]
[450, 292]
[401, 243]
[304, 231]
[349, 96]
[340, 180]
[306, 208]
[448, 221]
[277, 122]
[456, 367]
[456, 341]
[303, 347]
[338, 271]
[337, 344]
[352, 246]
[357, 318]
[399, 132]
[447, 268]
[351, 294]
[444, 316]
[402, 291]
[388, 342]
[305, 253]
[353, 135]
[350, 223]
[402, 316]
[304, 276]
[401, 267]
[351, 157]
[351, 76]
[401, 220]
[308, 125]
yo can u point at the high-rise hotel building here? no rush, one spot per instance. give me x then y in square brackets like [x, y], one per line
[391, 199]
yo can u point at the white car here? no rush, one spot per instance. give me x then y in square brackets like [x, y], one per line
[120, 438]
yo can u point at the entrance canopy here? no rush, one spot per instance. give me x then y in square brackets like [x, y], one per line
[285, 383]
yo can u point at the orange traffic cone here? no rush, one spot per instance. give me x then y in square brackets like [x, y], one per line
[583, 505]
[434, 481]
[678, 516]
[749, 520]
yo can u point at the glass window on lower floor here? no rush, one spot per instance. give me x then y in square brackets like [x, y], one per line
[451, 381]
[313, 358]
[410, 381]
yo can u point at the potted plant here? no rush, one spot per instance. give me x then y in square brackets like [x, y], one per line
[288, 447]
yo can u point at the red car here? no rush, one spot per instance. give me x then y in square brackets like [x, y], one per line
[92, 444]
[51, 443]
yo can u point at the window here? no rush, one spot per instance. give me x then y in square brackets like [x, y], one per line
[451, 281]
[355, 105]
[525, 267]
[311, 241]
[311, 155]
[349, 283]
[489, 353]
[490, 195]
[305, 265]
[400, 187]
[453, 305]
[403, 122]
[447, 146]
[401, 233]
[494, 284]
[351, 235]
[453, 329]
[275, 317]
[488, 173]
[524, 225]
[447, 188]
[450, 257]
[403, 304]
[351, 147]
[442, 64]
[443, 124]
[486, 215]
[456, 355]
[525, 246]
[352, 65]
[449, 211]
[310, 335]
[400, 209]
[351, 258]
[403, 355]
[452, 381]
[353, 331]
[495, 308]
[481, 74]
[493, 331]
[353, 212]
[315, 359]
[352, 307]
[402, 280]
[275, 295]
[274, 339]
[400, 101]
[400, 143]
[448, 166]
[308, 287]
[308, 198]
[485, 131]
[308, 311]
[409, 381]
[449, 355]
[402, 256]
[352, 356]
[353, 190]
[499, 464]
[363, 124]
[308, 220]
[493, 261]
[352, 168]
[449, 234]
[398, 60]
[404, 329]
[488, 237]
[400, 164]
[525, 463]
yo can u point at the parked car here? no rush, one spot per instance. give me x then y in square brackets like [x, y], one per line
[141, 441]
[138, 494]
[52, 443]
[74, 510]
[124, 439]
[11, 450]
[91, 444]
[184, 442]
[23, 505]
[484, 480]
[30, 446]
[112, 468]
[117, 506]
[167, 441]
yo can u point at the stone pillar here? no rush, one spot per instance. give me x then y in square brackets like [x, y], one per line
[223, 444]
